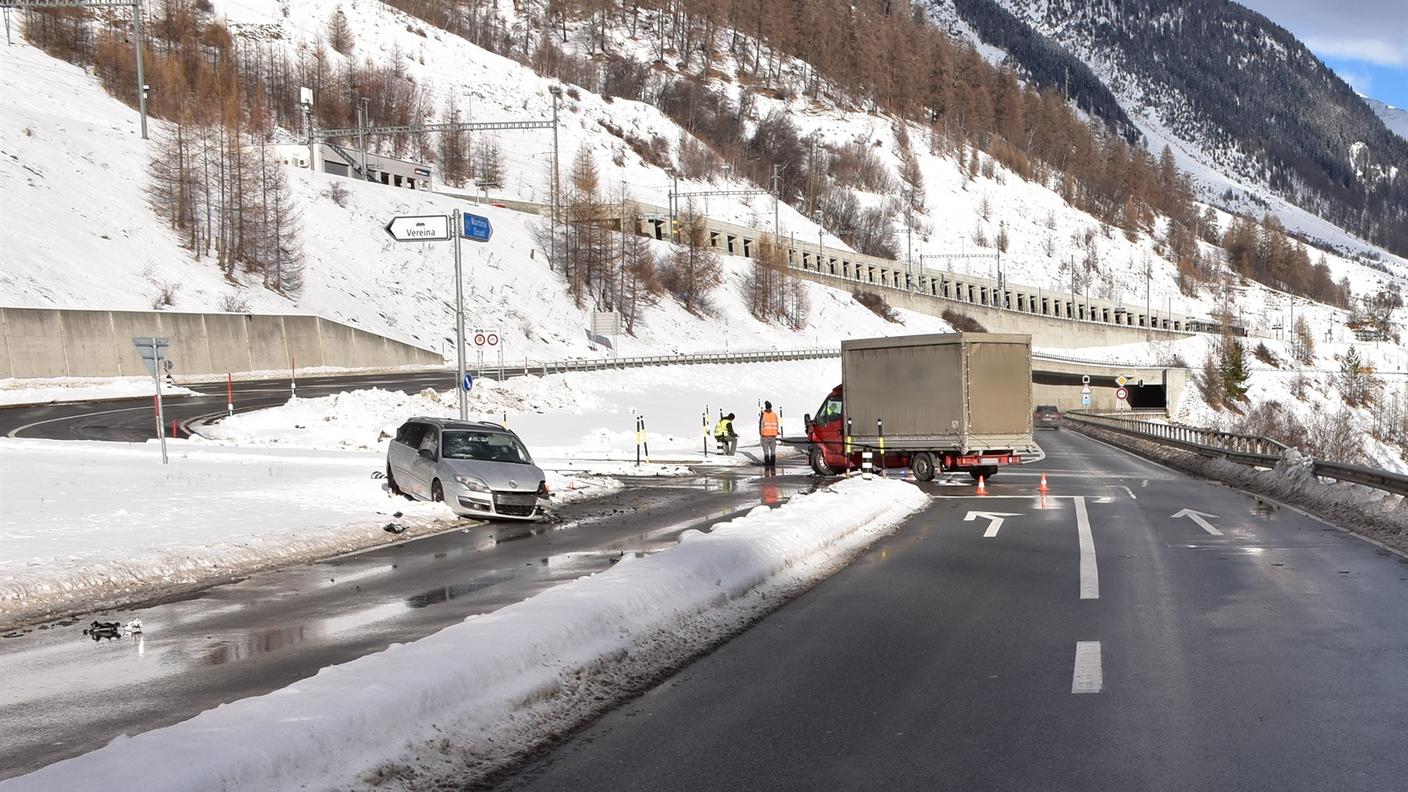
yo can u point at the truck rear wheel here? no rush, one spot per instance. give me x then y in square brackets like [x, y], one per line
[923, 466]
[985, 473]
[818, 461]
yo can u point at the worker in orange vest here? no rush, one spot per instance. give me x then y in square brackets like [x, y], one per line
[769, 430]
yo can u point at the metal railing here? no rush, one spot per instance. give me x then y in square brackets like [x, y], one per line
[544, 367]
[1252, 450]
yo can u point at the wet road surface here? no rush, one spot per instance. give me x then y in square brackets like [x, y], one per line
[64, 694]
[1091, 641]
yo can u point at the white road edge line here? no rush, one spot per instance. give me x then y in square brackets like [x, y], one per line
[1088, 676]
[1089, 575]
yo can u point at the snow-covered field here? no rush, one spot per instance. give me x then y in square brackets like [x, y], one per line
[492, 686]
[64, 389]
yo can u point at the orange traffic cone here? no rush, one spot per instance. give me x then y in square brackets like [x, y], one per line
[982, 486]
[1043, 487]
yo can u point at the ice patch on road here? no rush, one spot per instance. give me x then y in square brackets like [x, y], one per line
[483, 691]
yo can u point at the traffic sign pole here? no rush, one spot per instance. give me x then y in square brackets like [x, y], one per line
[456, 224]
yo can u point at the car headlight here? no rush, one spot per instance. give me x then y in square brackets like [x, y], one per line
[472, 484]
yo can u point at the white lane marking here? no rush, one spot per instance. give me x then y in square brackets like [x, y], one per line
[1131, 493]
[1197, 517]
[1089, 575]
[995, 520]
[1088, 677]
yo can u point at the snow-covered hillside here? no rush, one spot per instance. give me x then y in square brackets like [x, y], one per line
[1395, 118]
[78, 233]
[1230, 173]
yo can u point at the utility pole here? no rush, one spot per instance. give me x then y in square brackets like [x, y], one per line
[556, 186]
[908, 238]
[776, 201]
[363, 120]
[457, 230]
[305, 98]
[141, 77]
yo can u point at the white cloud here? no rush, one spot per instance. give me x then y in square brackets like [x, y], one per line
[1369, 31]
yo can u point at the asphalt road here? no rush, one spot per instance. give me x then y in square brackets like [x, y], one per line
[1141, 653]
[64, 694]
[131, 420]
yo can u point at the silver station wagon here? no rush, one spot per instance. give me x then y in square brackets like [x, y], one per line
[478, 469]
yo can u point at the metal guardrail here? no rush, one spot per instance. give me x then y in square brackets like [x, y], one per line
[1252, 450]
[545, 367]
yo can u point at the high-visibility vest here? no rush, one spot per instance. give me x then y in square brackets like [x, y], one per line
[721, 428]
[769, 424]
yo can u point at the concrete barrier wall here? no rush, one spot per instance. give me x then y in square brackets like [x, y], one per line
[61, 342]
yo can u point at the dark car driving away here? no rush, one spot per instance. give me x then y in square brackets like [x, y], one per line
[1047, 416]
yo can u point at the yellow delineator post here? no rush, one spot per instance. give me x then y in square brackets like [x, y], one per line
[880, 433]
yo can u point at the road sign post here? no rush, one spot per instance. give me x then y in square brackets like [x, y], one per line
[441, 228]
[153, 351]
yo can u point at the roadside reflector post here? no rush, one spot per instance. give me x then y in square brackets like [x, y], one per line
[865, 464]
[880, 433]
[292, 377]
[638, 435]
[230, 394]
[645, 438]
[848, 446]
[704, 421]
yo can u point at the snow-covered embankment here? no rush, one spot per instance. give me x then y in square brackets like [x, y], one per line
[476, 694]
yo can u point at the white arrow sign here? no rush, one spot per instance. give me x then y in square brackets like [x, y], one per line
[422, 228]
[995, 519]
[1197, 517]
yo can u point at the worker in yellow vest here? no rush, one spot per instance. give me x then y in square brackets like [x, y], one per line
[768, 431]
[725, 434]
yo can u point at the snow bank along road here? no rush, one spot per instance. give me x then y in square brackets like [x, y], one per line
[1091, 641]
[64, 694]
[516, 675]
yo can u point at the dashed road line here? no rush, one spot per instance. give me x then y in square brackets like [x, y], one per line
[1088, 676]
[1089, 575]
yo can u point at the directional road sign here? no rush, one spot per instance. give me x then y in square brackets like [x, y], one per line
[477, 228]
[468, 381]
[419, 228]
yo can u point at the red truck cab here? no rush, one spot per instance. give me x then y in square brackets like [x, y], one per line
[830, 453]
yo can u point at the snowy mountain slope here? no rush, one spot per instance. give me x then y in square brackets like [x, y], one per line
[1395, 118]
[79, 233]
[1215, 81]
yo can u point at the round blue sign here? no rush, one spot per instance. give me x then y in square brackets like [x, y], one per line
[468, 381]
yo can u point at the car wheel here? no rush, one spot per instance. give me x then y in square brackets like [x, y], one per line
[818, 461]
[923, 466]
[391, 482]
[437, 493]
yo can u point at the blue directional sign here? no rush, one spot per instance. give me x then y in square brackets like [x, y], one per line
[477, 228]
[468, 382]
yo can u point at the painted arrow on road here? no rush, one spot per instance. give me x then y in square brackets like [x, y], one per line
[995, 519]
[1198, 517]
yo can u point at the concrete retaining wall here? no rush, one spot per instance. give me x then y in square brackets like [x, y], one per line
[61, 342]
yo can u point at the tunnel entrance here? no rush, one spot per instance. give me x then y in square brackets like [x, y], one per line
[1147, 397]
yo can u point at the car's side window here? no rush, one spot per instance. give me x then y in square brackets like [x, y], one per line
[409, 434]
[430, 440]
[830, 411]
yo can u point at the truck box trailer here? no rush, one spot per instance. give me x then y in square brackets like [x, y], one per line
[953, 402]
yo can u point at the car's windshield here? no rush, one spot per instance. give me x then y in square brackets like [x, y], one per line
[486, 446]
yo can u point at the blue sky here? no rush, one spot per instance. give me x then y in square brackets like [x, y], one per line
[1364, 41]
